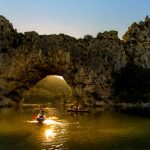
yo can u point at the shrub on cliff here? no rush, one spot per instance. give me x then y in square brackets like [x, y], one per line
[88, 37]
[132, 84]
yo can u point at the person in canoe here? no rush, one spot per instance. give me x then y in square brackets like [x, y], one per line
[71, 107]
[77, 107]
[42, 111]
[41, 116]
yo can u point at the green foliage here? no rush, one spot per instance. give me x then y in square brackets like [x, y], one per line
[141, 23]
[147, 19]
[132, 84]
[100, 36]
[18, 39]
[131, 31]
[88, 37]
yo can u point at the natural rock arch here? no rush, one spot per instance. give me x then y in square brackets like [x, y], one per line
[86, 64]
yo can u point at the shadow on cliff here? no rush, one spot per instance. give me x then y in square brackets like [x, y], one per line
[132, 84]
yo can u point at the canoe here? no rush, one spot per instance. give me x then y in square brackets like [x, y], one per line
[80, 110]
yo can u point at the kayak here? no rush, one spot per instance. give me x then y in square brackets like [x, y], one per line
[41, 119]
[80, 110]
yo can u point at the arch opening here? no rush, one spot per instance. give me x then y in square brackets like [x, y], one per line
[51, 89]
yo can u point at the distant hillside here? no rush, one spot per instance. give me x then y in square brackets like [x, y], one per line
[49, 89]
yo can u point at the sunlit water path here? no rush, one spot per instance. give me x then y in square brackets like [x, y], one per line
[98, 130]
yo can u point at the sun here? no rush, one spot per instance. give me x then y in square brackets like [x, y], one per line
[60, 77]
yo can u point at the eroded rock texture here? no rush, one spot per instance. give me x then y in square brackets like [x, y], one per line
[86, 64]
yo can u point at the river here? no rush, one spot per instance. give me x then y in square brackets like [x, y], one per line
[98, 130]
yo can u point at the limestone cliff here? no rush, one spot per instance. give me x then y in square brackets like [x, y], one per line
[86, 64]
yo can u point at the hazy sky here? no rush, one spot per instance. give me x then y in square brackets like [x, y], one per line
[74, 17]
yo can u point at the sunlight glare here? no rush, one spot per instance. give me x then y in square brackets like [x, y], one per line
[60, 77]
[49, 133]
[51, 122]
[33, 121]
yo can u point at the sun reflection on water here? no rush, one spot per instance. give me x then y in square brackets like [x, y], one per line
[48, 121]
[51, 122]
[50, 134]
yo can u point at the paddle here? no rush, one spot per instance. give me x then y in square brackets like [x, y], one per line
[33, 117]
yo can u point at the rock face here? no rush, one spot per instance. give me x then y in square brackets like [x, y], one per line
[86, 64]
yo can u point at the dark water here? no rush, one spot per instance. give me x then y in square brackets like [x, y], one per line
[98, 130]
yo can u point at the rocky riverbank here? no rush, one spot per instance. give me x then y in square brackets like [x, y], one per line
[119, 105]
[7, 103]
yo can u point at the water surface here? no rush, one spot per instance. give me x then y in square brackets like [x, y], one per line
[98, 130]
